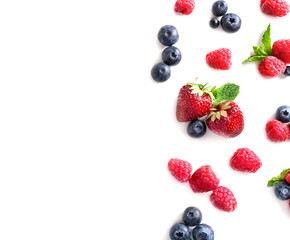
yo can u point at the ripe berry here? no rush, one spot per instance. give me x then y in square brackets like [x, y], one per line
[276, 8]
[160, 72]
[214, 23]
[231, 22]
[287, 178]
[281, 50]
[204, 180]
[245, 160]
[180, 169]
[282, 190]
[219, 59]
[223, 199]
[283, 114]
[271, 67]
[196, 128]
[203, 232]
[171, 56]
[168, 35]
[277, 131]
[192, 216]
[184, 6]
[179, 231]
[219, 8]
[287, 71]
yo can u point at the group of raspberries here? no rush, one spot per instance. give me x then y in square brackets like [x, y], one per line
[205, 180]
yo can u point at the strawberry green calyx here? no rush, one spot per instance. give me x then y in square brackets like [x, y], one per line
[217, 113]
[200, 89]
[275, 180]
[263, 51]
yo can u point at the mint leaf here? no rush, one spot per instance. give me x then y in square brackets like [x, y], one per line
[267, 40]
[254, 58]
[273, 181]
[284, 173]
[228, 91]
[260, 51]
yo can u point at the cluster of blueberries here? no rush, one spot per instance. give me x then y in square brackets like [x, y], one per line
[171, 56]
[230, 22]
[191, 218]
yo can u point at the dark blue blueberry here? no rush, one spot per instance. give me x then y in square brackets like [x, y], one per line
[214, 23]
[192, 216]
[171, 56]
[287, 71]
[160, 72]
[282, 190]
[179, 231]
[168, 35]
[283, 114]
[231, 22]
[196, 128]
[203, 232]
[219, 8]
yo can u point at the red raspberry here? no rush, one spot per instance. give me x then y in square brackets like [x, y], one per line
[219, 59]
[184, 6]
[281, 50]
[277, 131]
[180, 169]
[245, 160]
[271, 67]
[287, 178]
[223, 199]
[204, 180]
[276, 8]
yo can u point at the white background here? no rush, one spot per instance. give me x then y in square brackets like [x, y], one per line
[86, 134]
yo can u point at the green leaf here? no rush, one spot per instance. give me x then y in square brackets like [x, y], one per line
[273, 181]
[284, 173]
[254, 58]
[260, 51]
[228, 91]
[267, 40]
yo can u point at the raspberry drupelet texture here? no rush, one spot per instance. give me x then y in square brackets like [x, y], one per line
[204, 180]
[245, 160]
[271, 67]
[184, 6]
[277, 131]
[219, 59]
[281, 50]
[223, 199]
[276, 8]
[180, 169]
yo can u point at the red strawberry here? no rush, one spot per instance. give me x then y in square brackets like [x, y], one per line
[219, 59]
[276, 8]
[184, 6]
[281, 50]
[277, 131]
[204, 180]
[245, 160]
[180, 169]
[194, 101]
[223, 199]
[287, 178]
[226, 119]
[271, 67]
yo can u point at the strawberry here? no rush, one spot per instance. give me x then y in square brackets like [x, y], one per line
[271, 67]
[281, 50]
[276, 8]
[194, 101]
[284, 177]
[226, 119]
[287, 177]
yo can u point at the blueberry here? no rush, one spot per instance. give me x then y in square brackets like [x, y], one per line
[203, 232]
[282, 190]
[287, 71]
[168, 35]
[196, 128]
[171, 56]
[219, 8]
[179, 231]
[283, 114]
[192, 216]
[160, 72]
[214, 23]
[231, 22]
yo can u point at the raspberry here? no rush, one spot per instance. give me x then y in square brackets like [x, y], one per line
[180, 169]
[277, 131]
[245, 160]
[276, 8]
[281, 50]
[203, 180]
[271, 67]
[219, 59]
[184, 6]
[223, 199]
